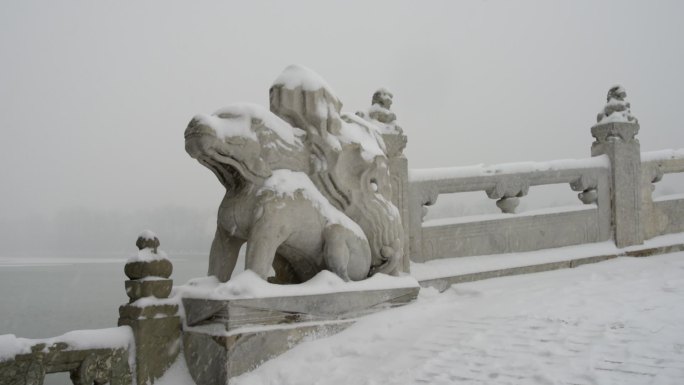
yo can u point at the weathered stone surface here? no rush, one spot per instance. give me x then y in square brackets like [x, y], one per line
[588, 196]
[445, 238]
[662, 215]
[159, 288]
[615, 136]
[395, 142]
[380, 115]
[206, 357]
[228, 337]
[213, 360]
[515, 233]
[618, 142]
[147, 240]
[670, 213]
[507, 192]
[141, 269]
[157, 344]
[508, 205]
[382, 101]
[650, 251]
[444, 283]
[86, 366]
[399, 179]
[156, 326]
[616, 108]
[22, 371]
[307, 135]
[131, 311]
[237, 313]
[621, 189]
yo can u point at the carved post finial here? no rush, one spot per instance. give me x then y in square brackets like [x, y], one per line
[147, 240]
[615, 122]
[617, 109]
[381, 105]
[382, 117]
[150, 262]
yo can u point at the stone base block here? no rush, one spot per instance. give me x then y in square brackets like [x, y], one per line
[157, 344]
[214, 359]
[226, 338]
[238, 313]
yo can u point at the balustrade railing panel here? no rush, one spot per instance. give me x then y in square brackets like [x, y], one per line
[90, 356]
[664, 215]
[459, 237]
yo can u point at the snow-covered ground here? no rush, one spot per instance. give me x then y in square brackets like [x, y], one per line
[616, 322]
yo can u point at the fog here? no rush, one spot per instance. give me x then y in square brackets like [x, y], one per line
[94, 96]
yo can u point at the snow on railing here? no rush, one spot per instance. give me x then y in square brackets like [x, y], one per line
[661, 155]
[91, 356]
[658, 163]
[111, 338]
[655, 164]
[434, 174]
[507, 184]
[662, 215]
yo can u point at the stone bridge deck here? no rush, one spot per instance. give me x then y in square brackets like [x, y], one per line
[616, 322]
[442, 273]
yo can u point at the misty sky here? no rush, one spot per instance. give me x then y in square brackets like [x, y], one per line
[95, 95]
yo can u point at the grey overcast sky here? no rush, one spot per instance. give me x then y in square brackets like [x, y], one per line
[95, 95]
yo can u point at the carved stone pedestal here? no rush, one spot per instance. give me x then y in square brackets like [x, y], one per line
[152, 317]
[226, 338]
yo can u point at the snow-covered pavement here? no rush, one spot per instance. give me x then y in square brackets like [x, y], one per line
[616, 322]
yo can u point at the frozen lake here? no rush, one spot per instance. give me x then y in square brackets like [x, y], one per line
[46, 297]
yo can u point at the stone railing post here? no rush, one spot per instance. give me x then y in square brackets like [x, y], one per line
[398, 166]
[652, 223]
[615, 136]
[420, 195]
[155, 322]
[381, 115]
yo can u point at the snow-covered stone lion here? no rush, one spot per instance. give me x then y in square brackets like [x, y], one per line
[307, 187]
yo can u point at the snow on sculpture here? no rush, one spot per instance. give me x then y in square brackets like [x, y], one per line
[617, 109]
[307, 187]
[381, 116]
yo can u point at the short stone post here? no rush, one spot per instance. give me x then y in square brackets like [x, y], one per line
[395, 141]
[615, 136]
[153, 318]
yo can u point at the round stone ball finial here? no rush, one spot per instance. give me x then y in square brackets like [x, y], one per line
[147, 240]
